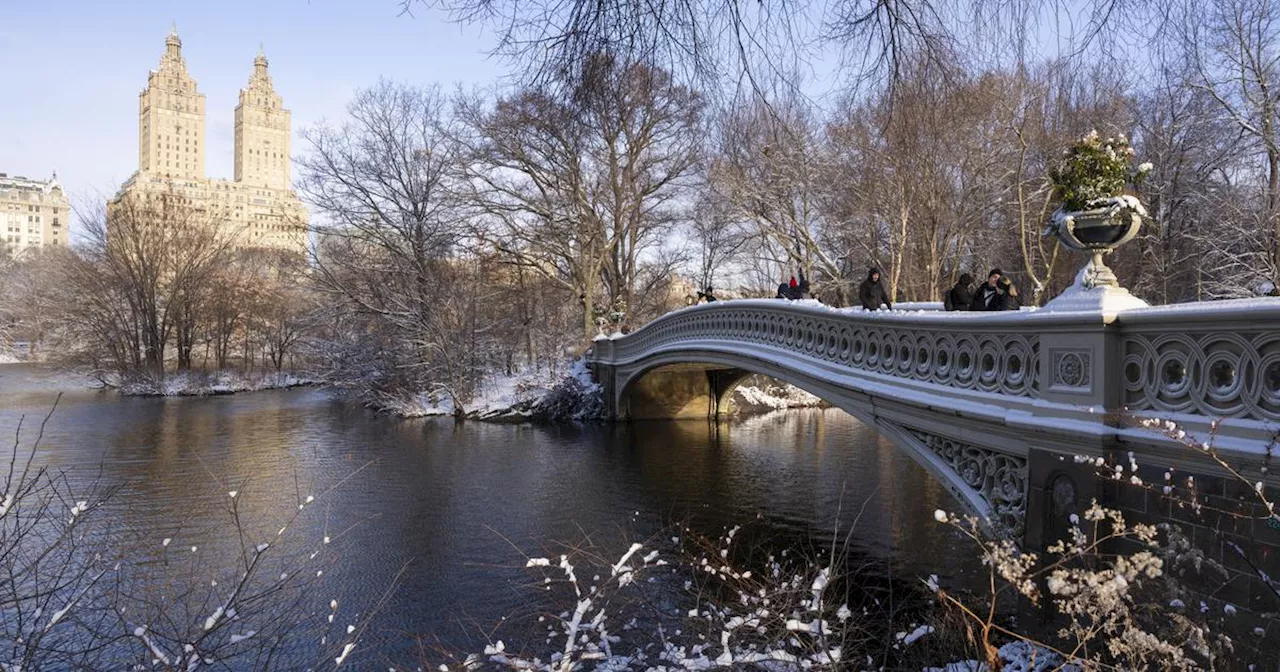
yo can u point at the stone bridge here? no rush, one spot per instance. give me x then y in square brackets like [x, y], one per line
[996, 405]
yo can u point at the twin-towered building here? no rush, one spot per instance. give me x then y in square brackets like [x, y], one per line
[258, 208]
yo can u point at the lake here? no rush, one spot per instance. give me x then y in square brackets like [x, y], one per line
[455, 505]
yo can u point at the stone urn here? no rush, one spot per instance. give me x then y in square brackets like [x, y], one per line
[1098, 230]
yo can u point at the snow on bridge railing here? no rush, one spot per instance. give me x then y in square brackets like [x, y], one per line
[988, 352]
[1211, 360]
[1219, 359]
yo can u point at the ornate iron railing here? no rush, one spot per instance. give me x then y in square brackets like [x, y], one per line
[966, 351]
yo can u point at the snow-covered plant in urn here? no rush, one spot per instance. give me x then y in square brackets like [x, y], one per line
[1097, 212]
[1093, 181]
[613, 315]
[1094, 171]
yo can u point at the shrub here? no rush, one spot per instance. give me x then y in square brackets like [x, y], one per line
[1095, 169]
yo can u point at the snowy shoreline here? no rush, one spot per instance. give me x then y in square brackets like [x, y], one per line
[211, 384]
[512, 399]
[577, 398]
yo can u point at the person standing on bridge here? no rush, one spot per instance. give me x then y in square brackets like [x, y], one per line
[988, 295]
[961, 296]
[872, 292]
[1008, 295]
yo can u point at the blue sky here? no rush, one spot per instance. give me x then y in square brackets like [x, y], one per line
[77, 67]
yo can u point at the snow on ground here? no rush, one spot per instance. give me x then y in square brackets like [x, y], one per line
[517, 398]
[8, 358]
[922, 312]
[776, 396]
[1016, 657]
[192, 384]
[574, 396]
[908, 638]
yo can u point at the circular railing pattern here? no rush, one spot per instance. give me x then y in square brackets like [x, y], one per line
[1228, 374]
[990, 361]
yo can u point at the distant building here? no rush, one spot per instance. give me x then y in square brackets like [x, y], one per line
[258, 208]
[33, 214]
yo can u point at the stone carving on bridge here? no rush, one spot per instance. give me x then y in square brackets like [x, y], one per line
[1071, 369]
[1000, 478]
[1225, 374]
[988, 361]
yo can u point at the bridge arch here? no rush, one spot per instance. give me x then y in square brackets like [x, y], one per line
[697, 384]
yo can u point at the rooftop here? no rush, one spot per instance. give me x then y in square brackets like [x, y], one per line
[23, 182]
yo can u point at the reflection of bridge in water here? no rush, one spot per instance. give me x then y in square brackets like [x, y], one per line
[996, 406]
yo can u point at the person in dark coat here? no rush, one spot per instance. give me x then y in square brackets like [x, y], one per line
[784, 292]
[1008, 295]
[872, 293]
[802, 288]
[960, 296]
[988, 295]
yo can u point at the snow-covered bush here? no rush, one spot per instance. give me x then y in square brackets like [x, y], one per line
[1109, 597]
[1119, 589]
[577, 397]
[612, 316]
[1093, 170]
[682, 602]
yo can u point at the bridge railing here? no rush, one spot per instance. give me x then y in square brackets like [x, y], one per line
[988, 352]
[1192, 362]
[1218, 359]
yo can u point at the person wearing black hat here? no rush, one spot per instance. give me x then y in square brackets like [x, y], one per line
[988, 295]
[961, 296]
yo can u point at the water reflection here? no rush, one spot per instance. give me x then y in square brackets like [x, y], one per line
[451, 500]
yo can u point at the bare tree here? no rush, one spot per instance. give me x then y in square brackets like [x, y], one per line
[713, 41]
[1233, 49]
[913, 179]
[530, 183]
[283, 324]
[1193, 148]
[143, 279]
[719, 237]
[772, 165]
[386, 186]
[580, 188]
[31, 293]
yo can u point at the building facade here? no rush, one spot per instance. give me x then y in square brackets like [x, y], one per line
[33, 214]
[256, 209]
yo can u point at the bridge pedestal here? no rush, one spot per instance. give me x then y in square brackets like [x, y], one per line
[1056, 488]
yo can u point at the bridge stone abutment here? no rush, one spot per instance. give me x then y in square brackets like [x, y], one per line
[675, 392]
[997, 406]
